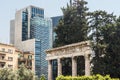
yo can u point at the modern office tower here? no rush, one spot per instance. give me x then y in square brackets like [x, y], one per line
[22, 20]
[41, 30]
[12, 57]
[55, 21]
[33, 33]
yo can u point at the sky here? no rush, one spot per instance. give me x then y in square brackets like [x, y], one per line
[51, 8]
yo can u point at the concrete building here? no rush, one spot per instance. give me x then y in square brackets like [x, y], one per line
[12, 31]
[33, 33]
[26, 58]
[8, 56]
[12, 58]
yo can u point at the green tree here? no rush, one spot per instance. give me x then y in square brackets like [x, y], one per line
[7, 74]
[112, 57]
[72, 27]
[102, 26]
[24, 73]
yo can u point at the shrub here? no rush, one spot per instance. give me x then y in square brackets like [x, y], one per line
[42, 77]
[94, 77]
[7, 74]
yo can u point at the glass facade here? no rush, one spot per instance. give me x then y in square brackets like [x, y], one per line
[54, 69]
[55, 21]
[28, 14]
[41, 29]
[37, 12]
[35, 26]
[38, 57]
[24, 25]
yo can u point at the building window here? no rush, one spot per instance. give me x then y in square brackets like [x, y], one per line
[2, 65]
[2, 57]
[24, 25]
[10, 51]
[10, 58]
[29, 56]
[3, 49]
[10, 66]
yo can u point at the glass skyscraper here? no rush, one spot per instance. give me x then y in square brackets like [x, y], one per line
[55, 21]
[41, 30]
[33, 33]
[27, 14]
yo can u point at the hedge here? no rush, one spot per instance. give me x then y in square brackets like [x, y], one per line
[94, 77]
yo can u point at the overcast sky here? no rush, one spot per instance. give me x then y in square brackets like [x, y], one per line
[51, 7]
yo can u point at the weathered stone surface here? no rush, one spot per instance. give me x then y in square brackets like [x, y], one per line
[72, 50]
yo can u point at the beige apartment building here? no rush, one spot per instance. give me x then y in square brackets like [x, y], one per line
[12, 58]
[26, 58]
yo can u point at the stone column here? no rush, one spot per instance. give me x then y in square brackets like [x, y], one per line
[74, 66]
[49, 69]
[87, 65]
[59, 67]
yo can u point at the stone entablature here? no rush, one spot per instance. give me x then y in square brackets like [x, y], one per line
[77, 49]
[71, 51]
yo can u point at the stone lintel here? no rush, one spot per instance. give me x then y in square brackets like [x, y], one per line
[80, 44]
[77, 49]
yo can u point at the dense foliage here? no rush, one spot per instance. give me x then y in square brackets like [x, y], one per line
[7, 74]
[73, 26]
[94, 77]
[21, 74]
[24, 74]
[102, 28]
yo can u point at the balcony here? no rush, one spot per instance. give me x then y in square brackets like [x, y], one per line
[2, 60]
[21, 59]
[2, 53]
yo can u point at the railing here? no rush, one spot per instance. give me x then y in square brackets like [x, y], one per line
[2, 60]
[22, 59]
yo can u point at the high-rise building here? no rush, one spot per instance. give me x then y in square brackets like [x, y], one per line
[41, 30]
[55, 21]
[33, 32]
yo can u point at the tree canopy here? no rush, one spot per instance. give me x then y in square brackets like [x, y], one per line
[73, 26]
[102, 28]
